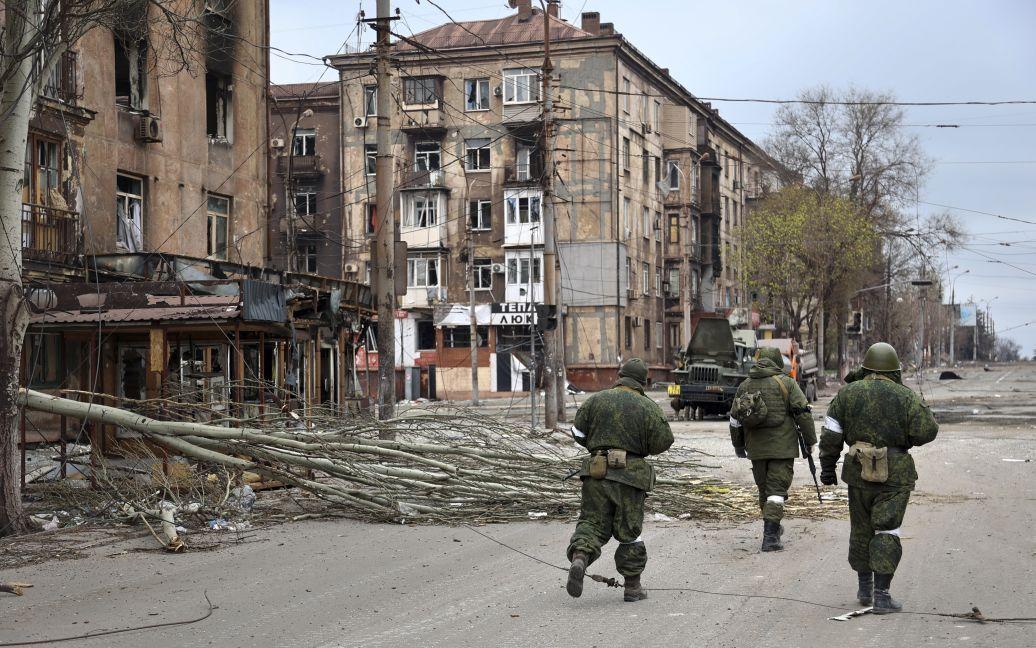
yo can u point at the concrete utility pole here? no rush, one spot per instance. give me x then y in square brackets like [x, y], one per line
[471, 311]
[384, 251]
[550, 350]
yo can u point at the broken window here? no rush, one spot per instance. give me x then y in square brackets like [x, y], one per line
[370, 217]
[482, 274]
[43, 164]
[308, 257]
[130, 71]
[425, 335]
[476, 94]
[217, 105]
[370, 152]
[370, 100]
[44, 366]
[476, 155]
[647, 335]
[422, 272]
[672, 172]
[423, 212]
[427, 156]
[129, 211]
[526, 163]
[459, 337]
[305, 202]
[420, 91]
[305, 142]
[481, 214]
[219, 217]
[523, 209]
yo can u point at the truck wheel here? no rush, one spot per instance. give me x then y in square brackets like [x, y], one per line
[699, 413]
[811, 393]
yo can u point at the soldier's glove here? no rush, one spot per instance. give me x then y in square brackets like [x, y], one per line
[828, 478]
[740, 452]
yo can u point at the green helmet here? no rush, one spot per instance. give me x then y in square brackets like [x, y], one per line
[881, 356]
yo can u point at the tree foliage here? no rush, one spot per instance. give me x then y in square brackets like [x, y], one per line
[803, 248]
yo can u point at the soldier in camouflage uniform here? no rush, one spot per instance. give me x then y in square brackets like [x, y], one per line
[773, 445]
[621, 418]
[875, 408]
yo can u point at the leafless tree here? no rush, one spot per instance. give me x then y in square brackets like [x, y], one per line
[34, 34]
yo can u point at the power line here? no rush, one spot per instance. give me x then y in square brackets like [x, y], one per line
[976, 211]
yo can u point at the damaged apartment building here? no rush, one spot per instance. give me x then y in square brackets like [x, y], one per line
[147, 255]
[651, 188]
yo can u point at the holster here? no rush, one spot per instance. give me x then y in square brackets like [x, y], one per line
[874, 462]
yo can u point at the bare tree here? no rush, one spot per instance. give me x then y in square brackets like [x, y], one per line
[33, 37]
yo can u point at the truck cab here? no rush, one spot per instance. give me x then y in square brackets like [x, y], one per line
[710, 369]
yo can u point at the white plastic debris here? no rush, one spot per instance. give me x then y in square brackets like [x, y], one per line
[243, 498]
[662, 517]
[536, 515]
[53, 524]
[193, 507]
[684, 516]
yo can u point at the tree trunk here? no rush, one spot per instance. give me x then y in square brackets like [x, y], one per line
[15, 104]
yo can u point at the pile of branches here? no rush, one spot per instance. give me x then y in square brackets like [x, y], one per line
[431, 465]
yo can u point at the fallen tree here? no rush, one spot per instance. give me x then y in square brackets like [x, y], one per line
[440, 466]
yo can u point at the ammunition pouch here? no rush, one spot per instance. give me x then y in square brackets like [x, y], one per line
[598, 466]
[874, 462]
[602, 460]
[616, 458]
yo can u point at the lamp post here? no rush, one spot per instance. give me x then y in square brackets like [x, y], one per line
[922, 283]
[987, 302]
[953, 315]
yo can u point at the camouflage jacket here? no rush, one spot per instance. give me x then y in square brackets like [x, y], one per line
[624, 418]
[777, 438]
[879, 410]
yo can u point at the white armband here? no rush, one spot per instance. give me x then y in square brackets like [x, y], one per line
[734, 423]
[577, 434]
[832, 424]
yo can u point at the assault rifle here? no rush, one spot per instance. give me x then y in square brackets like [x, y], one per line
[812, 465]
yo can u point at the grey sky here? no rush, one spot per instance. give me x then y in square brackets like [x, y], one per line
[922, 50]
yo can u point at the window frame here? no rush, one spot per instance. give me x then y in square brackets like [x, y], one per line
[412, 84]
[673, 223]
[422, 208]
[512, 85]
[513, 210]
[370, 159]
[302, 136]
[517, 269]
[427, 155]
[645, 221]
[213, 221]
[645, 279]
[370, 100]
[308, 256]
[626, 153]
[310, 195]
[480, 215]
[474, 87]
[128, 197]
[485, 150]
[480, 269]
[415, 263]
[627, 91]
[659, 334]
[672, 169]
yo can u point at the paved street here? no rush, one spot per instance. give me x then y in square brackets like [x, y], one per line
[967, 541]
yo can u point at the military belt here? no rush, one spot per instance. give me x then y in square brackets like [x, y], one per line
[893, 450]
[604, 452]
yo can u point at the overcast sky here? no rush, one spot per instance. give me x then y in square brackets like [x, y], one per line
[922, 50]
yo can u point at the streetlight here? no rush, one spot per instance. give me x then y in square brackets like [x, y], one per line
[922, 283]
[987, 302]
[953, 314]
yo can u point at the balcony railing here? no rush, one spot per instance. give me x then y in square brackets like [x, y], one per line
[420, 178]
[301, 165]
[529, 173]
[49, 233]
[62, 83]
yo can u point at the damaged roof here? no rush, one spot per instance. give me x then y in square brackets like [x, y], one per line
[509, 30]
[149, 314]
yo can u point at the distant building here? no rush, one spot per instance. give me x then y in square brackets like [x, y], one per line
[639, 262]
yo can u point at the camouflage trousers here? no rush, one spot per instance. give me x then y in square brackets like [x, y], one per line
[773, 479]
[875, 517]
[611, 510]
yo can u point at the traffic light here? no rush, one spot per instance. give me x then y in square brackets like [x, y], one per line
[546, 317]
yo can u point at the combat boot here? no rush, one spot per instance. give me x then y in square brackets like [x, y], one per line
[632, 591]
[772, 536]
[575, 575]
[883, 601]
[865, 594]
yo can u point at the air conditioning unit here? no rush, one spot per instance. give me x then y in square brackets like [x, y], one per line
[351, 268]
[631, 293]
[498, 268]
[498, 91]
[277, 143]
[360, 122]
[149, 130]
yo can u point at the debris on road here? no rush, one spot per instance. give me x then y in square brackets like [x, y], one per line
[17, 589]
[851, 615]
[950, 375]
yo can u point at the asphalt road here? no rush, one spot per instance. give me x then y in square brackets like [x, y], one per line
[968, 540]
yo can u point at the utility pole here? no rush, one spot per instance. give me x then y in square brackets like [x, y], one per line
[550, 350]
[471, 312]
[384, 251]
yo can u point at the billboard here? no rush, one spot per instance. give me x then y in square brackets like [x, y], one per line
[968, 315]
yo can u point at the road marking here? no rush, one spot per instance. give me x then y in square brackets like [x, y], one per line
[1005, 375]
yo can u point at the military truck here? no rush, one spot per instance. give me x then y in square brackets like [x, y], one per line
[709, 371]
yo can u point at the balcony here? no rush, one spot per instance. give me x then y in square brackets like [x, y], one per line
[423, 121]
[424, 179]
[62, 83]
[301, 165]
[523, 174]
[49, 233]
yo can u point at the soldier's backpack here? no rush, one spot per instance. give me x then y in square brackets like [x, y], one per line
[749, 408]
